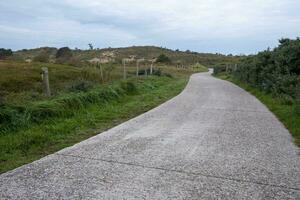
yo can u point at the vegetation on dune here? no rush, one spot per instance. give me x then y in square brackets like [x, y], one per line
[63, 55]
[274, 77]
[42, 57]
[162, 58]
[147, 52]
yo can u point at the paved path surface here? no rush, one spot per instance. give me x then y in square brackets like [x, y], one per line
[213, 141]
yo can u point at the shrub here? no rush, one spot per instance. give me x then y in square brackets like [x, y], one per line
[63, 55]
[157, 72]
[4, 53]
[129, 87]
[219, 68]
[81, 86]
[275, 71]
[42, 57]
[162, 58]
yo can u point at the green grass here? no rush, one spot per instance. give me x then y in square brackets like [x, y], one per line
[34, 127]
[21, 82]
[288, 112]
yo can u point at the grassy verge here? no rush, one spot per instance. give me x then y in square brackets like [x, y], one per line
[64, 121]
[287, 112]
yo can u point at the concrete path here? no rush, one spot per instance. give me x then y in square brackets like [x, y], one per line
[213, 141]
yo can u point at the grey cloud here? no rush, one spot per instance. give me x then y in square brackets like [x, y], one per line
[235, 26]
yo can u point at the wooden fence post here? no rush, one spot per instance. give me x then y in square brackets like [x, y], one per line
[124, 69]
[45, 78]
[137, 67]
[101, 72]
[151, 68]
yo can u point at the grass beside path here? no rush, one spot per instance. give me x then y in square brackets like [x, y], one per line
[288, 112]
[61, 124]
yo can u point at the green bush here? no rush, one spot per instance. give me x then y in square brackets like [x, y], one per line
[162, 58]
[275, 71]
[168, 75]
[219, 69]
[63, 55]
[129, 87]
[42, 57]
[157, 72]
[4, 53]
[81, 86]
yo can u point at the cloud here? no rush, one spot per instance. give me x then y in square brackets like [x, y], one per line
[203, 25]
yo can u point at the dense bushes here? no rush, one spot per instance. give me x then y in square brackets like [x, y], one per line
[63, 55]
[219, 69]
[162, 58]
[275, 71]
[4, 53]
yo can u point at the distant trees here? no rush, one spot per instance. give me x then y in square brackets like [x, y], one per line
[63, 54]
[162, 58]
[4, 53]
[91, 46]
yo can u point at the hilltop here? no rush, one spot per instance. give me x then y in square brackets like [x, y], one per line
[147, 52]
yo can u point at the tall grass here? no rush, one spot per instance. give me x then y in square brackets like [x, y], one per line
[63, 121]
[13, 118]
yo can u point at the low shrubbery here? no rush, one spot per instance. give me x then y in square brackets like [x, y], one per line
[155, 72]
[63, 55]
[42, 57]
[162, 58]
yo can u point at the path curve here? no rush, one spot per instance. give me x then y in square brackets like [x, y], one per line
[213, 141]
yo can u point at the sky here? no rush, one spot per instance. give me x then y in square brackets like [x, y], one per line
[215, 26]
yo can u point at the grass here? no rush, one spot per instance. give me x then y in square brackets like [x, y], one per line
[20, 82]
[288, 112]
[34, 127]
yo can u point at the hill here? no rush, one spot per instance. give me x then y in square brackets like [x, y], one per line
[147, 52]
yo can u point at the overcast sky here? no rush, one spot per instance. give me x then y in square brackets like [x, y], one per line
[225, 26]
